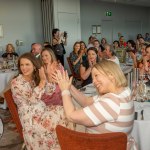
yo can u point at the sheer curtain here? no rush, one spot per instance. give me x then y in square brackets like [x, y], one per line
[47, 19]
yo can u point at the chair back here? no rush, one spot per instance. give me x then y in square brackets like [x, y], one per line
[73, 140]
[71, 69]
[13, 110]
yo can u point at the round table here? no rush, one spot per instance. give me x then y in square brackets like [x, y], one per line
[5, 78]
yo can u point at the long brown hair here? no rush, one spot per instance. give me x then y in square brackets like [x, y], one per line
[35, 63]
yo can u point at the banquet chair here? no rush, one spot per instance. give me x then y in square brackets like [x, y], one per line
[13, 110]
[73, 140]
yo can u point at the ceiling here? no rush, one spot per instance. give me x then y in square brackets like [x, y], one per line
[145, 3]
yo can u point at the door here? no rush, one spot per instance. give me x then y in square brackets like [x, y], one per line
[107, 30]
[69, 22]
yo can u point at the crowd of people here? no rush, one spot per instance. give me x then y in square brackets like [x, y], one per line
[43, 91]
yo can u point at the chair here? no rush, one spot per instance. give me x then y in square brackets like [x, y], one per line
[73, 140]
[13, 110]
[75, 76]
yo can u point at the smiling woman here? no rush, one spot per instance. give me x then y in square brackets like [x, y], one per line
[111, 110]
[52, 95]
[37, 119]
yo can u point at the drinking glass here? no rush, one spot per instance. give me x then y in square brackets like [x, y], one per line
[141, 89]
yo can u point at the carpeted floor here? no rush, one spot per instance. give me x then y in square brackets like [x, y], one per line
[10, 139]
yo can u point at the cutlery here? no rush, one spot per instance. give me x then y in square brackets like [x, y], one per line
[142, 117]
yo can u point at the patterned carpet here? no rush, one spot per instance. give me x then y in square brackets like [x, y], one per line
[10, 139]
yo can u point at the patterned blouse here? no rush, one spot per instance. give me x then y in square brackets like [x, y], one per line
[37, 119]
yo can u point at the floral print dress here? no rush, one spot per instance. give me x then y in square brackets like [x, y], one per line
[37, 119]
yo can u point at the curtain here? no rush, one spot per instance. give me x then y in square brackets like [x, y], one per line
[47, 19]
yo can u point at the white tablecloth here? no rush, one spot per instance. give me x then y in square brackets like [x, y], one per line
[5, 78]
[141, 128]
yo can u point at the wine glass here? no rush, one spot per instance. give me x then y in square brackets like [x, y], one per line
[141, 90]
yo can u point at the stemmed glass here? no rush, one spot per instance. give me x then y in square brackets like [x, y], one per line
[141, 90]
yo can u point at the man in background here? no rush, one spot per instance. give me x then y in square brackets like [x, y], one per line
[36, 49]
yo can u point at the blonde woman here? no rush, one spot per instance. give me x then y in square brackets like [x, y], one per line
[10, 51]
[52, 95]
[112, 110]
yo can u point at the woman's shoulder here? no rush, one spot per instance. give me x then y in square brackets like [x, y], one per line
[123, 96]
[14, 53]
[85, 63]
[72, 54]
[19, 76]
[5, 54]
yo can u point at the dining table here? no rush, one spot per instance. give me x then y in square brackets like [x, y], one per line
[5, 78]
[141, 127]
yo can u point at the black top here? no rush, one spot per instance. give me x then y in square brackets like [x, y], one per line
[58, 48]
[89, 79]
[11, 54]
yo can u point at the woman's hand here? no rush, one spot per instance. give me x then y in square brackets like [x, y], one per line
[50, 69]
[42, 74]
[92, 63]
[62, 79]
[42, 77]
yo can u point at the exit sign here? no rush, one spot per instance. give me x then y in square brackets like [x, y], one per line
[108, 13]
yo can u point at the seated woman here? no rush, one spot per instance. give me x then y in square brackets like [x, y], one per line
[131, 53]
[120, 51]
[10, 52]
[112, 110]
[140, 62]
[83, 49]
[96, 44]
[37, 119]
[103, 42]
[86, 66]
[76, 57]
[146, 61]
[52, 95]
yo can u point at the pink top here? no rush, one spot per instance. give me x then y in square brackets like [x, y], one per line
[52, 95]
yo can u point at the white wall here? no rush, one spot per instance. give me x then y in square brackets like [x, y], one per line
[67, 18]
[21, 20]
[93, 12]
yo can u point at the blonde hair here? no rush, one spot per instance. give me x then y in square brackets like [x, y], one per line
[53, 57]
[111, 68]
[9, 44]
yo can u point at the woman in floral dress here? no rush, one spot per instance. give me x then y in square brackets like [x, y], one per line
[37, 119]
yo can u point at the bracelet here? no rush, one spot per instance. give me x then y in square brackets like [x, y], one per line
[65, 92]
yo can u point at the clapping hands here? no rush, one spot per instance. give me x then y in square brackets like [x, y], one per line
[50, 69]
[62, 79]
